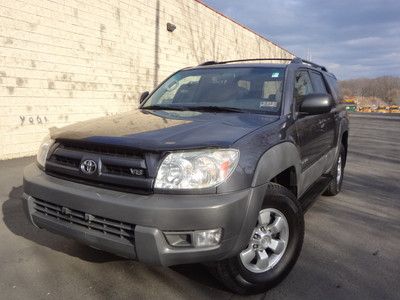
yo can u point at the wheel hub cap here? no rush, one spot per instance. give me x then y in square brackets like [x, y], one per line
[268, 242]
[339, 170]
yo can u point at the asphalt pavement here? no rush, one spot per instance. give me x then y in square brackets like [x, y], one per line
[351, 248]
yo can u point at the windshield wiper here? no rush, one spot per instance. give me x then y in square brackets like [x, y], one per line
[195, 108]
[164, 107]
[215, 109]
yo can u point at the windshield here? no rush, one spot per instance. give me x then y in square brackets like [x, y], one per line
[244, 89]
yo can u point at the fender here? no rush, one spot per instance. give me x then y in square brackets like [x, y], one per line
[275, 160]
[343, 127]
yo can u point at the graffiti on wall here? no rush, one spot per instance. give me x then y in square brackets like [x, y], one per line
[33, 120]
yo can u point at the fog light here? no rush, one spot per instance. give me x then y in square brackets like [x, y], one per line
[179, 239]
[194, 239]
[207, 238]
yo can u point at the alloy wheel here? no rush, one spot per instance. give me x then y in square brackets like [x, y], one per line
[267, 243]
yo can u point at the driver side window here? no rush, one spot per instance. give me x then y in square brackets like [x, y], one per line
[302, 86]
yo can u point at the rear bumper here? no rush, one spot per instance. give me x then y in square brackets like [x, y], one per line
[150, 216]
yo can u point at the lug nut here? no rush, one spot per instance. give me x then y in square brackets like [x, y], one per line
[262, 228]
[256, 236]
[255, 246]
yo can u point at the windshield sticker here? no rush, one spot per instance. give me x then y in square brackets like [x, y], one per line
[268, 104]
[275, 75]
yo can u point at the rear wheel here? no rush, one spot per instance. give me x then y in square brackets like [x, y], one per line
[337, 172]
[273, 247]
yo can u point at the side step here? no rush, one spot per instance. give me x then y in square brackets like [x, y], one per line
[314, 191]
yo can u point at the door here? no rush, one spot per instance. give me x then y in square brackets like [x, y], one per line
[315, 132]
[327, 121]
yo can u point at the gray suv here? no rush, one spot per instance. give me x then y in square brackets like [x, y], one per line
[217, 165]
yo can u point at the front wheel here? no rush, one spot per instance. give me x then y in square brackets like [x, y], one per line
[273, 247]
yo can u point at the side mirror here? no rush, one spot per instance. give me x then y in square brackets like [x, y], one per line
[314, 104]
[143, 96]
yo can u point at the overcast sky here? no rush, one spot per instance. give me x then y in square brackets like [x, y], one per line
[353, 38]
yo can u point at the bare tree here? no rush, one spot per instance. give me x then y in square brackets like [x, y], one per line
[385, 88]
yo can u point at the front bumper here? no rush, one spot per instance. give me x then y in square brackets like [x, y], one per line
[149, 215]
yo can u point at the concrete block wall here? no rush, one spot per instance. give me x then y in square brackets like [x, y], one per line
[67, 61]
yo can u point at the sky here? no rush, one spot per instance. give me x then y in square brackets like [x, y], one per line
[352, 38]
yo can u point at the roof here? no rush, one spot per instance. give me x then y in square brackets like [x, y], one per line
[243, 64]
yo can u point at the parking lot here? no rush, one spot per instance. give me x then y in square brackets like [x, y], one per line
[351, 248]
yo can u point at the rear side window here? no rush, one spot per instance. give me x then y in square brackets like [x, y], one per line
[271, 89]
[335, 89]
[244, 84]
[318, 82]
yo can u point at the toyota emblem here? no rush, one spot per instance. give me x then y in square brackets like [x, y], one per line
[88, 166]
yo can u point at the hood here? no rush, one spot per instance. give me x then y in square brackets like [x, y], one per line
[165, 130]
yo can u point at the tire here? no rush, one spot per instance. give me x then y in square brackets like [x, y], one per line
[242, 276]
[335, 185]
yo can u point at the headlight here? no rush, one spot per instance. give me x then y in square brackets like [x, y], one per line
[44, 150]
[196, 169]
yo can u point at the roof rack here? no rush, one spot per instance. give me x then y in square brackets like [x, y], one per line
[210, 62]
[240, 60]
[296, 60]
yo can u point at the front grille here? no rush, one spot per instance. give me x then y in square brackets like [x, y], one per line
[98, 224]
[101, 149]
[66, 161]
[120, 168]
[123, 171]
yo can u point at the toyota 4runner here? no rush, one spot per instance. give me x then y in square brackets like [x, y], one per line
[217, 165]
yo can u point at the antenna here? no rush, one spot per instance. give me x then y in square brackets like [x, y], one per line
[309, 55]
